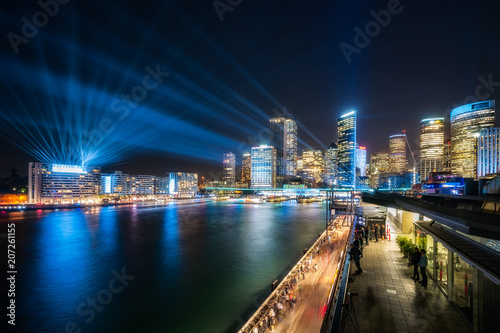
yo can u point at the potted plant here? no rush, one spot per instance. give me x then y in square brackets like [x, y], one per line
[408, 249]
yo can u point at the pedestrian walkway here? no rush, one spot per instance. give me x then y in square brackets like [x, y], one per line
[299, 303]
[311, 304]
[389, 300]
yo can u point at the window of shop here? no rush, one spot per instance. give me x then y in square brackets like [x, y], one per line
[463, 286]
[441, 265]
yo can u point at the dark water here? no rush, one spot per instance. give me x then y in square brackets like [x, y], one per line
[190, 267]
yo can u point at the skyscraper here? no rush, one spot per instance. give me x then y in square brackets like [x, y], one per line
[263, 169]
[379, 166]
[397, 154]
[283, 137]
[466, 122]
[246, 165]
[431, 146]
[331, 164]
[488, 152]
[347, 149]
[361, 161]
[229, 172]
[313, 165]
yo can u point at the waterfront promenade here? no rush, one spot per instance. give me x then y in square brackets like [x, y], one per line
[310, 288]
[390, 301]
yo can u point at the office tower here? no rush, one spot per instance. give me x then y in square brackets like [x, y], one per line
[379, 166]
[347, 149]
[446, 167]
[263, 169]
[361, 161]
[62, 184]
[229, 171]
[331, 164]
[183, 184]
[246, 167]
[397, 154]
[431, 146]
[488, 152]
[313, 165]
[283, 137]
[466, 122]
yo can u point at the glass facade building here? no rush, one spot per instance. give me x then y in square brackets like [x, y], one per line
[229, 171]
[397, 154]
[466, 122]
[431, 146]
[379, 166]
[361, 161]
[488, 152]
[283, 137]
[263, 169]
[246, 167]
[346, 133]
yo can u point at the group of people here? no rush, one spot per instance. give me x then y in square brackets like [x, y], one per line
[286, 296]
[419, 259]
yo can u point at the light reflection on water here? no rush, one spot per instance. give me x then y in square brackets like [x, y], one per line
[198, 267]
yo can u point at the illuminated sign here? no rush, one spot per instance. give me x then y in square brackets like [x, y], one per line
[67, 168]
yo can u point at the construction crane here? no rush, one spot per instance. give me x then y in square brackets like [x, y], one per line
[414, 160]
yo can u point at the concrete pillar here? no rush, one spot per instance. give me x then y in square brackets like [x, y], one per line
[407, 222]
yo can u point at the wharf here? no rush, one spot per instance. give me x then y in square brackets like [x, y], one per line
[390, 301]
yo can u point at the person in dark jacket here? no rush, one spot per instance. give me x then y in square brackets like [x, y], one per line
[355, 254]
[414, 260]
[367, 234]
[377, 233]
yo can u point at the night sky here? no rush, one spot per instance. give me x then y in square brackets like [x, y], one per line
[217, 82]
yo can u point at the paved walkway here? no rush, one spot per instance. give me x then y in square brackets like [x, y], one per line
[311, 303]
[390, 301]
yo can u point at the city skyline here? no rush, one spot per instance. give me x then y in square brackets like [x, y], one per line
[265, 86]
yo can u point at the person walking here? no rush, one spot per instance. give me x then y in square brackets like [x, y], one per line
[355, 254]
[382, 231]
[377, 230]
[414, 260]
[423, 266]
[367, 234]
[356, 241]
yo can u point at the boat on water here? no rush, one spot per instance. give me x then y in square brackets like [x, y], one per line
[247, 200]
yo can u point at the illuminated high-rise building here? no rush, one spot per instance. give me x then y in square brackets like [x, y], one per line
[466, 122]
[347, 149]
[283, 137]
[313, 165]
[488, 152]
[431, 146]
[397, 154]
[379, 166]
[263, 169]
[446, 167]
[331, 164]
[361, 161]
[229, 171]
[246, 167]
